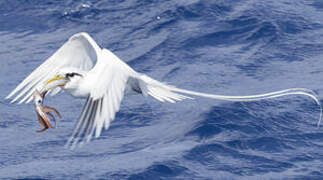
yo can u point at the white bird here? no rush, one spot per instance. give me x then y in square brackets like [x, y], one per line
[104, 84]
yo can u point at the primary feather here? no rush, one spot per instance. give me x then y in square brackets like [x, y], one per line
[80, 51]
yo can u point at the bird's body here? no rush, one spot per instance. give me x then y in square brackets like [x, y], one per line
[88, 71]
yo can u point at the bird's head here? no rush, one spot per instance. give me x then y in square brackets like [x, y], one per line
[65, 77]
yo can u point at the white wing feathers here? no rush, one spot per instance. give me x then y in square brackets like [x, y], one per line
[79, 51]
[109, 77]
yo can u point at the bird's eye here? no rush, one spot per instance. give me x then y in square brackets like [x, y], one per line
[69, 75]
[39, 101]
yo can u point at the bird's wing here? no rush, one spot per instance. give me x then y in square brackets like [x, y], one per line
[108, 80]
[80, 51]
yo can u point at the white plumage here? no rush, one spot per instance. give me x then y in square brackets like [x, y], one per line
[100, 76]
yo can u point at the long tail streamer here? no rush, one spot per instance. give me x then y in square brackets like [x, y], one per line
[292, 91]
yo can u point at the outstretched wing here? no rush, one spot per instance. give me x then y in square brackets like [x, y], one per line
[80, 51]
[108, 80]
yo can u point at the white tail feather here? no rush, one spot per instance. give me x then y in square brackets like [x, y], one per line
[164, 92]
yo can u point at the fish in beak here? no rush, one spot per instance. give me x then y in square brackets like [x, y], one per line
[44, 111]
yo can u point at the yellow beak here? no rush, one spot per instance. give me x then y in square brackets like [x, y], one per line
[55, 78]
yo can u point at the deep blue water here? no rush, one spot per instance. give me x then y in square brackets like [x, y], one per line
[240, 47]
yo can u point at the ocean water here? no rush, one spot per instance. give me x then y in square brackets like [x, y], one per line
[240, 47]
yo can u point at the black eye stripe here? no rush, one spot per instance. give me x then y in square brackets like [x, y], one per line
[72, 74]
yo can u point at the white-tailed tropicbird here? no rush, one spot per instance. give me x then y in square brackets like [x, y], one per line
[104, 84]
